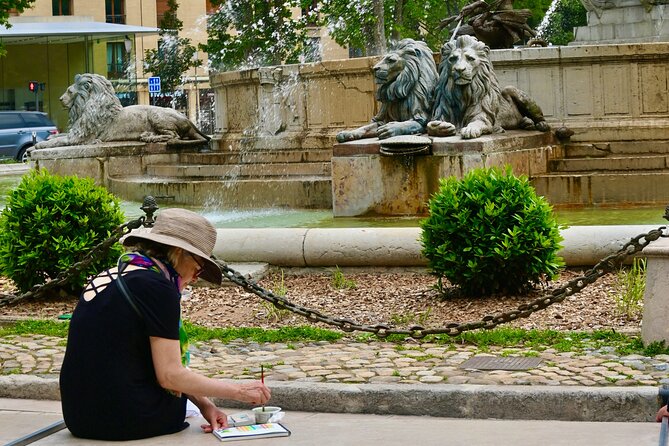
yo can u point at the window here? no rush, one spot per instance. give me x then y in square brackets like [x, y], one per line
[61, 7]
[116, 60]
[11, 121]
[210, 8]
[161, 9]
[115, 10]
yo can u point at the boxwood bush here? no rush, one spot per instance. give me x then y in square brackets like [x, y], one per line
[490, 233]
[49, 223]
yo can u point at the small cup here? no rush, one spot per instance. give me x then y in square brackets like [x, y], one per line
[263, 414]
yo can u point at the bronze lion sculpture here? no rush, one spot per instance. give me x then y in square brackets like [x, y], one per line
[96, 115]
[405, 79]
[468, 97]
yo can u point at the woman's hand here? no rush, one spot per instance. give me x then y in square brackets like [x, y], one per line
[216, 417]
[253, 392]
[663, 412]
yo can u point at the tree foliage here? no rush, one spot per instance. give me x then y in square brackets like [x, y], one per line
[560, 20]
[251, 33]
[8, 5]
[174, 55]
[349, 22]
[537, 7]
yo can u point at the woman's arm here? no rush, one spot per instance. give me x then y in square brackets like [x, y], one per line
[173, 376]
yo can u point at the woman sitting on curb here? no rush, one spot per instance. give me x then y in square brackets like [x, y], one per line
[124, 374]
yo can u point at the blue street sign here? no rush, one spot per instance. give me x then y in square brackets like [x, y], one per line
[154, 84]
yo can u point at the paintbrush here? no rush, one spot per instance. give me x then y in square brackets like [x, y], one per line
[262, 380]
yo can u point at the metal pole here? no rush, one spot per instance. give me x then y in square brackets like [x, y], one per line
[197, 97]
[38, 435]
[663, 431]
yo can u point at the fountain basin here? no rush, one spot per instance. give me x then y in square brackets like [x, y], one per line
[388, 247]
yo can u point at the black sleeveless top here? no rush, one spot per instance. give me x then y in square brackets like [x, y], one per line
[108, 384]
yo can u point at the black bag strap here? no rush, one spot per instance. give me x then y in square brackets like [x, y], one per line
[124, 288]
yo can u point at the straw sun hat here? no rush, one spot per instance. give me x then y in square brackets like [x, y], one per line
[186, 230]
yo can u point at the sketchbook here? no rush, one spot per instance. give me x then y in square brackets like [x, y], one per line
[252, 432]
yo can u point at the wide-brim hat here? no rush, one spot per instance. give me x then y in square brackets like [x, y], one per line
[187, 230]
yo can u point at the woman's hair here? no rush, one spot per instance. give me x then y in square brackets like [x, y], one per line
[157, 250]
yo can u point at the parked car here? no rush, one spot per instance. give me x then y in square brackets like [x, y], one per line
[16, 132]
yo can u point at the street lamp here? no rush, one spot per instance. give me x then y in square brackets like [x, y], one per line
[128, 44]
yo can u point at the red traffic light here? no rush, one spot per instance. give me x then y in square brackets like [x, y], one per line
[33, 86]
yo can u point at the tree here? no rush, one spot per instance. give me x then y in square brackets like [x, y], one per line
[560, 20]
[251, 33]
[355, 23]
[5, 7]
[538, 8]
[174, 55]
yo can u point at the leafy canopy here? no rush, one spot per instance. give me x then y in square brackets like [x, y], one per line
[350, 23]
[8, 5]
[252, 33]
[560, 21]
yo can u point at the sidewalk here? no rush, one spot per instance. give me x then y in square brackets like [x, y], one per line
[385, 378]
[21, 417]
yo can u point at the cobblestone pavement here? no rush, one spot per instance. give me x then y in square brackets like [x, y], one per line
[375, 362]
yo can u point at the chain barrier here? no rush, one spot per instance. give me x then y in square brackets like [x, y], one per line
[606, 265]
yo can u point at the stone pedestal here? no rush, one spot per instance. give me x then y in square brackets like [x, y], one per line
[623, 21]
[365, 182]
[655, 326]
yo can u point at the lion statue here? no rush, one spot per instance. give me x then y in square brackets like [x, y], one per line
[406, 78]
[96, 115]
[468, 98]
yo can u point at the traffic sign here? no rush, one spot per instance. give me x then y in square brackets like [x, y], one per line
[154, 84]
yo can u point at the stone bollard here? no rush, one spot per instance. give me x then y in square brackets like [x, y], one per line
[655, 326]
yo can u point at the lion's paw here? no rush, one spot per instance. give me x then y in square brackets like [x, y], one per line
[345, 136]
[542, 126]
[440, 128]
[471, 132]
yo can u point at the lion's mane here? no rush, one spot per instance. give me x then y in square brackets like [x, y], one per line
[459, 104]
[93, 105]
[409, 95]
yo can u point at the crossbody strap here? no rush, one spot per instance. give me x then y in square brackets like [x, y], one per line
[124, 288]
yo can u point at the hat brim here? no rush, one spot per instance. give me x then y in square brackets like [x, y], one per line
[211, 272]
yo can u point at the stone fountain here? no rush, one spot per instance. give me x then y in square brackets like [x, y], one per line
[275, 138]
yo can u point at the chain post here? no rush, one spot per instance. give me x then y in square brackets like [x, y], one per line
[149, 206]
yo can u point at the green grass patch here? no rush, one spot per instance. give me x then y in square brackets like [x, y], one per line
[283, 334]
[483, 340]
[39, 327]
[195, 332]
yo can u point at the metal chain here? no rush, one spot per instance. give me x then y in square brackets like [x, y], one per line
[606, 265]
[65, 276]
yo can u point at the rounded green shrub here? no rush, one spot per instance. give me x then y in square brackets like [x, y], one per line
[51, 222]
[490, 233]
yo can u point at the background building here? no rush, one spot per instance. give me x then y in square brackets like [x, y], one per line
[56, 39]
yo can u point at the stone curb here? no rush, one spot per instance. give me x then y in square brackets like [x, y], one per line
[389, 247]
[578, 403]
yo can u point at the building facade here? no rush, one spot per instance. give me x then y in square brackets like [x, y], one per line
[72, 41]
